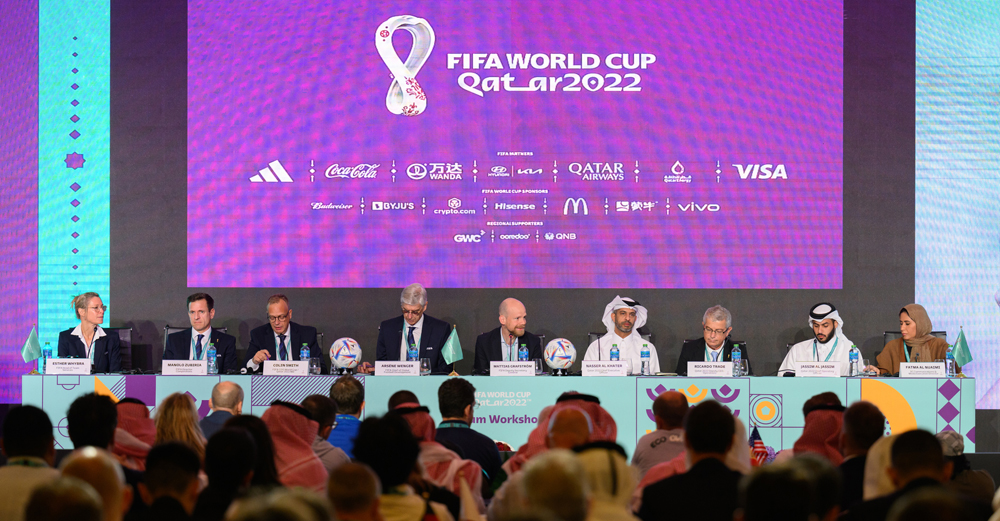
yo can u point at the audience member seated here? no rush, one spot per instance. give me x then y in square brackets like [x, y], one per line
[135, 435]
[610, 480]
[778, 491]
[389, 448]
[100, 470]
[324, 412]
[230, 457]
[824, 482]
[965, 481]
[353, 490]
[293, 431]
[170, 485]
[63, 499]
[265, 472]
[30, 450]
[864, 424]
[877, 482]
[401, 397]
[930, 504]
[823, 415]
[226, 402]
[177, 420]
[457, 403]
[708, 435]
[667, 441]
[282, 505]
[349, 395]
[555, 482]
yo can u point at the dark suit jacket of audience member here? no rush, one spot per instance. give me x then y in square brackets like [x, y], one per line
[694, 351]
[211, 505]
[489, 349]
[179, 348]
[475, 446]
[262, 338]
[166, 508]
[213, 422]
[852, 475]
[707, 492]
[435, 333]
[107, 350]
[878, 508]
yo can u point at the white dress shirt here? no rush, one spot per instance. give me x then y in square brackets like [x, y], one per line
[417, 329]
[87, 347]
[205, 340]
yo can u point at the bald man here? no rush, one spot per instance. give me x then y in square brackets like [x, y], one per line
[99, 469]
[502, 343]
[667, 441]
[226, 402]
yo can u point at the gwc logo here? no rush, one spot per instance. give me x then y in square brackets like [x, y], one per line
[470, 237]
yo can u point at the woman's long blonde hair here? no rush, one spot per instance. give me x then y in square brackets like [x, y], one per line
[177, 420]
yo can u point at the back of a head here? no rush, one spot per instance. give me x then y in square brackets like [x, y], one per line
[609, 477]
[321, 408]
[27, 431]
[91, 421]
[349, 394]
[177, 420]
[100, 470]
[778, 491]
[388, 447]
[820, 399]
[281, 505]
[670, 407]
[824, 480]
[64, 499]
[352, 489]
[265, 472]
[227, 395]
[170, 469]
[709, 428]
[930, 504]
[555, 482]
[916, 453]
[230, 455]
[569, 427]
[401, 397]
[454, 395]
[863, 424]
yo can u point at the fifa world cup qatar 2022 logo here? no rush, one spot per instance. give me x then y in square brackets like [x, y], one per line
[405, 95]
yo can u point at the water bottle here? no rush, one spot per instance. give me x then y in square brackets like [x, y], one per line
[855, 361]
[304, 353]
[46, 354]
[411, 353]
[522, 353]
[614, 352]
[737, 356]
[213, 367]
[949, 363]
[644, 356]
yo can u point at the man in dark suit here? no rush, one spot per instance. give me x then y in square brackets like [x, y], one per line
[503, 342]
[715, 345]
[424, 331]
[192, 344]
[89, 339]
[708, 490]
[226, 402]
[282, 339]
[863, 425]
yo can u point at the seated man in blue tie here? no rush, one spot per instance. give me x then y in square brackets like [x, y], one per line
[425, 332]
[89, 339]
[192, 344]
[282, 339]
[502, 343]
[715, 345]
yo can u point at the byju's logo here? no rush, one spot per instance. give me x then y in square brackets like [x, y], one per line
[274, 173]
[385, 205]
[578, 203]
[405, 95]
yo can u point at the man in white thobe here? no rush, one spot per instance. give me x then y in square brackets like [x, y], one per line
[623, 318]
[829, 344]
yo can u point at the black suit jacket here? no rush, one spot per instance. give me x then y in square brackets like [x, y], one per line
[878, 508]
[262, 338]
[694, 351]
[432, 338]
[107, 350]
[489, 349]
[852, 479]
[707, 492]
[179, 348]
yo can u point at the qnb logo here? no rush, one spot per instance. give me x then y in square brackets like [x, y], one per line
[274, 173]
[560, 236]
[578, 204]
[470, 237]
[761, 171]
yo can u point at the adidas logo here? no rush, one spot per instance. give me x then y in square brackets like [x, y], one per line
[274, 173]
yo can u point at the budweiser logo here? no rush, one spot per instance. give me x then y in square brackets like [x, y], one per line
[361, 171]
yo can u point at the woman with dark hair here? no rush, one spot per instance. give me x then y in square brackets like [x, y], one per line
[917, 343]
[265, 472]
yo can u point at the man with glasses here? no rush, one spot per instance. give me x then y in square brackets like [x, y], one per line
[415, 328]
[282, 339]
[192, 344]
[715, 345]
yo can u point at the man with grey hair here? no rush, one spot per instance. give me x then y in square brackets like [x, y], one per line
[226, 402]
[503, 343]
[413, 328]
[715, 345]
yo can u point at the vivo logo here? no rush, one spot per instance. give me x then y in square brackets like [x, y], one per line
[694, 207]
[756, 171]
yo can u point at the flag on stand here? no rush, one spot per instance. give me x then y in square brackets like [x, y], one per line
[31, 350]
[452, 350]
[961, 349]
[758, 452]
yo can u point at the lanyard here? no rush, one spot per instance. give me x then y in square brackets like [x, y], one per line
[722, 353]
[906, 351]
[832, 349]
[25, 462]
[453, 424]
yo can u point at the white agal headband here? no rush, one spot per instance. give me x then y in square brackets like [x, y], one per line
[405, 95]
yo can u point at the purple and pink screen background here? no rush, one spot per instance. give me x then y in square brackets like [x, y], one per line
[301, 82]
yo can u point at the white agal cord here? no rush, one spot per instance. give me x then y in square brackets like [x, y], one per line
[405, 95]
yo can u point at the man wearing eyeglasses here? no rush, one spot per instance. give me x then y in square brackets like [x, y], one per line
[282, 339]
[192, 344]
[425, 332]
[715, 345]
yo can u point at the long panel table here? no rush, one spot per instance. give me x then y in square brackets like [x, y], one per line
[509, 406]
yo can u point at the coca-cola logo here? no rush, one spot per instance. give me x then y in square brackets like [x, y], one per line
[360, 171]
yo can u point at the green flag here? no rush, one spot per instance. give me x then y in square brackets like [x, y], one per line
[31, 350]
[961, 350]
[452, 349]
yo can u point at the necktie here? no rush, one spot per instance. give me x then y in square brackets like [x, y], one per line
[715, 356]
[282, 351]
[197, 348]
[409, 339]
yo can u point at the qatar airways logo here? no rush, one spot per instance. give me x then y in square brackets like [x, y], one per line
[598, 171]
[761, 171]
[360, 171]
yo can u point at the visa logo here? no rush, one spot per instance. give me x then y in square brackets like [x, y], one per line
[757, 171]
[694, 207]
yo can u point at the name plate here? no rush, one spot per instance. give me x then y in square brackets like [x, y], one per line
[185, 367]
[921, 370]
[824, 369]
[713, 369]
[604, 368]
[512, 369]
[67, 366]
[385, 368]
[291, 368]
